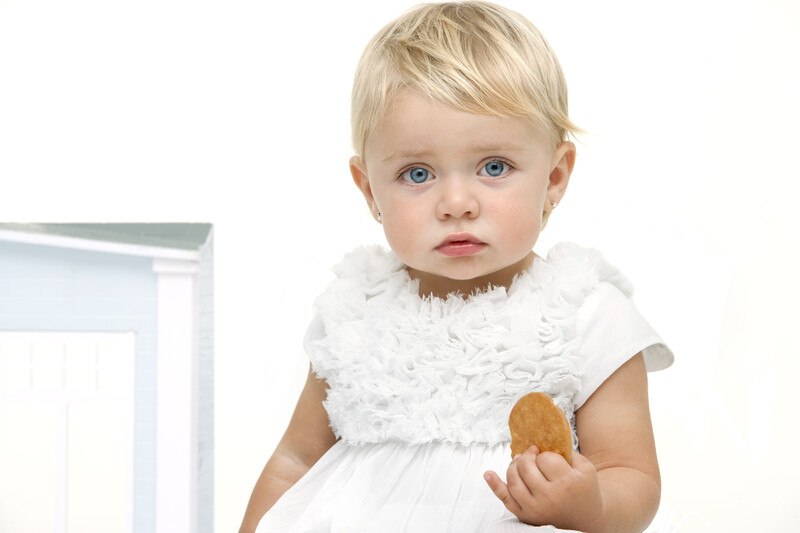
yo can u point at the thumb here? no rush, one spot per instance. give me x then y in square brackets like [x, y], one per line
[582, 464]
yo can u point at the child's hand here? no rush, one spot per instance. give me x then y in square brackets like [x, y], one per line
[543, 489]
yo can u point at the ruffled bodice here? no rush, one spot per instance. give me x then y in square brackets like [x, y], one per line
[411, 369]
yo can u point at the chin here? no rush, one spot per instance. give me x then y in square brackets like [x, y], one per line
[466, 274]
[464, 277]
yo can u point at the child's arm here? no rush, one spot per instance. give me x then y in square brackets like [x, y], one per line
[613, 485]
[306, 439]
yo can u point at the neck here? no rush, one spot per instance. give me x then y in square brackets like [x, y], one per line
[440, 286]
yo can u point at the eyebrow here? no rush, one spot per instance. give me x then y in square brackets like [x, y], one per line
[480, 148]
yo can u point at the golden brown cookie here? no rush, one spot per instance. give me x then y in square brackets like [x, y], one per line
[535, 419]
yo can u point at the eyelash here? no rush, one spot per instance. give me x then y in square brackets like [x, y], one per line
[411, 183]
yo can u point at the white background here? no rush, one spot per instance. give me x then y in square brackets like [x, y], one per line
[237, 112]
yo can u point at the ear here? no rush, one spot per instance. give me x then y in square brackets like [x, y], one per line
[359, 172]
[562, 164]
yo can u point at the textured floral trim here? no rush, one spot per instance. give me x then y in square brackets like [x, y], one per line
[413, 369]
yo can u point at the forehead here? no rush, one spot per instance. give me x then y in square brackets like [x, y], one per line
[415, 124]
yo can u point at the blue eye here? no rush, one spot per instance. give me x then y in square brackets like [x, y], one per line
[495, 168]
[417, 174]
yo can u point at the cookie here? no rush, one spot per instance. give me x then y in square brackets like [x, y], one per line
[535, 419]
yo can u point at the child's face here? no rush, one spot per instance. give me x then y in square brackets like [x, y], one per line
[461, 195]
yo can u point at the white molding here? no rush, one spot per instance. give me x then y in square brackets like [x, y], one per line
[76, 243]
[176, 398]
[171, 266]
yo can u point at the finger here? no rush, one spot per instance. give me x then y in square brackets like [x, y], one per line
[517, 486]
[500, 490]
[529, 471]
[552, 466]
[492, 479]
[533, 449]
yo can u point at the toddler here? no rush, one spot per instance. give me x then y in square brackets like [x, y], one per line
[417, 354]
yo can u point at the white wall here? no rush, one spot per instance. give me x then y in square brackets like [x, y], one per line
[236, 113]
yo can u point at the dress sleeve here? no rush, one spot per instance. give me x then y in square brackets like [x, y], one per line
[317, 355]
[610, 330]
[314, 332]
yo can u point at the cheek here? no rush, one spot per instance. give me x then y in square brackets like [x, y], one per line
[522, 225]
[402, 224]
[397, 238]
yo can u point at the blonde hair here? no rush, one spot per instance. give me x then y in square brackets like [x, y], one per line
[474, 56]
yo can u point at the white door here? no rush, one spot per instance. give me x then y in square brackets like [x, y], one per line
[66, 432]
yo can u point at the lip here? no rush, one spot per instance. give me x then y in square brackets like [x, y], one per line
[460, 244]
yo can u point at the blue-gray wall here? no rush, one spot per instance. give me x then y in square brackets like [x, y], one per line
[45, 288]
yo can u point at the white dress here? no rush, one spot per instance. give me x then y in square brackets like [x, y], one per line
[420, 389]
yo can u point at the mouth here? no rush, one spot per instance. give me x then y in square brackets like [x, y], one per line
[460, 244]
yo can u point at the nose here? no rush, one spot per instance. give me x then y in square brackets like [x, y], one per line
[456, 199]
